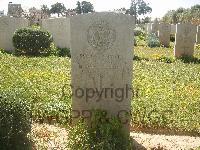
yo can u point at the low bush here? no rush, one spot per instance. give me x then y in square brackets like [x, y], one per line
[152, 40]
[63, 52]
[32, 42]
[15, 123]
[103, 134]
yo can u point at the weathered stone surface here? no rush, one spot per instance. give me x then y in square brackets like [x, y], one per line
[148, 31]
[8, 25]
[164, 34]
[185, 40]
[101, 48]
[154, 27]
[173, 29]
[60, 30]
[198, 35]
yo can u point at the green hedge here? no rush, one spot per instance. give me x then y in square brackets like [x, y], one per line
[32, 42]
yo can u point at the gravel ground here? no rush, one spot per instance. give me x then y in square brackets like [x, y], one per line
[50, 137]
[165, 142]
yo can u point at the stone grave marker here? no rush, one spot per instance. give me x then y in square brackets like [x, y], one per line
[173, 29]
[60, 30]
[185, 39]
[164, 34]
[198, 35]
[102, 65]
[8, 25]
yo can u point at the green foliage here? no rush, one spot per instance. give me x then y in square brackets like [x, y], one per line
[139, 31]
[58, 8]
[44, 82]
[104, 134]
[84, 7]
[15, 122]
[152, 40]
[139, 7]
[63, 52]
[168, 92]
[32, 42]
[168, 96]
[182, 15]
[45, 10]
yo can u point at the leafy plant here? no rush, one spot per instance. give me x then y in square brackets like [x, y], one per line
[15, 122]
[152, 40]
[103, 134]
[32, 42]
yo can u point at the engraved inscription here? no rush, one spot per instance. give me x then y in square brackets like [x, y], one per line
[100, 35]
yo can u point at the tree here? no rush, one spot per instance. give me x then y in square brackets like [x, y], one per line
[182, 15]
[139, 7]
[45, 10]
[78, 8]
[84, 7]
[58, 8]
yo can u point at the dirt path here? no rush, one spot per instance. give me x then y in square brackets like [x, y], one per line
[54, 138]
[150, 141]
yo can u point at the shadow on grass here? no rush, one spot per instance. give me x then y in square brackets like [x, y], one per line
[187, 59]
[159, 59]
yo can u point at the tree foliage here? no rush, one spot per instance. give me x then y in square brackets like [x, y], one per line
[84, 7]
[58, 8]
[139, 7]
[182, 15]
[45, 10]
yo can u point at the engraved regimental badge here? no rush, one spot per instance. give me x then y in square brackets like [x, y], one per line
[100, 35]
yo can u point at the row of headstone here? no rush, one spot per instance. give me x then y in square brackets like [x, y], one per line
[102, 59]
[8, 25]
[186, 35]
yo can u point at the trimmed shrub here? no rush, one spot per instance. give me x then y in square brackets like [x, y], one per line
[63, 52]
[152, 40]
[32, 42]
[103, 134]
[15, 123]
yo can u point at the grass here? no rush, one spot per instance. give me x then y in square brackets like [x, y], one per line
[168, 98]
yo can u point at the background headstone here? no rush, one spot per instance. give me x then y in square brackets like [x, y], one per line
[60, 30]
[148, 31]
[185, 39]
[164, 34]
[102, 57]
[198, 35]
[8, 26]
[155, 26]
[173, 29]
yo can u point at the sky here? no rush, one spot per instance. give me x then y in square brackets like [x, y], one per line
[160, 7]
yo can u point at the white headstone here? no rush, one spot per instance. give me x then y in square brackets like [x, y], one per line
[60, 30]
[173, 29]
[198, 35]
[8, 26]
[164, 34]
[102, 59]
[185, 39]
